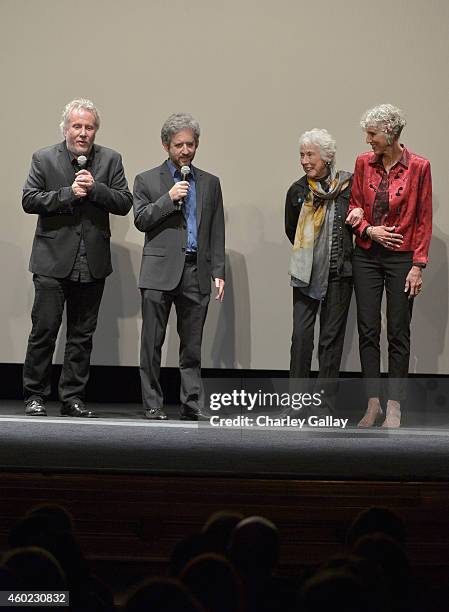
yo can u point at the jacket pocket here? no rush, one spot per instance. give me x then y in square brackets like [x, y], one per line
[46, 234]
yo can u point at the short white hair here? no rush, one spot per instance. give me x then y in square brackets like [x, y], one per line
[385, 118]
[323, 140]
[74, 105]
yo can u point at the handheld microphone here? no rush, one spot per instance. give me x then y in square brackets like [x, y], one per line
[81, 161]
[185, 171]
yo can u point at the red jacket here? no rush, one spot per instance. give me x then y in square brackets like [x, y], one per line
[410, 200]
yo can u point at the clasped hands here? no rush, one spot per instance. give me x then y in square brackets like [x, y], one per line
[83, 183]
[387, 237]
[383, 234]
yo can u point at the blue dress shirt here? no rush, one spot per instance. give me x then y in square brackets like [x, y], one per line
[189, 207]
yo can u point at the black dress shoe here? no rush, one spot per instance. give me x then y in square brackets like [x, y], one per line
[77, 409]
[35, 407]
[193, 415]
[155, 414]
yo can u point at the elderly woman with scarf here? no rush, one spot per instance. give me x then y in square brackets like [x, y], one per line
[391, 213]
[320, 267]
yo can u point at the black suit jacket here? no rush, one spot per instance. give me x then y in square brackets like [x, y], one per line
[166, 229]
[47, 192]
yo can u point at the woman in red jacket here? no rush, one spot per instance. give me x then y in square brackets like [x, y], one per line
[391, 213]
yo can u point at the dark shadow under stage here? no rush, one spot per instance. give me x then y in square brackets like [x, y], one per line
[120, 441]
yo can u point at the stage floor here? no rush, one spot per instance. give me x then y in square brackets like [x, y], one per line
[121, 441]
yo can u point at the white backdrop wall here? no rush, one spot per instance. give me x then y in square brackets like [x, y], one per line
[256, 74]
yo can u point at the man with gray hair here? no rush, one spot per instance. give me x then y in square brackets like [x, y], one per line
[72, 187]
[180, 209]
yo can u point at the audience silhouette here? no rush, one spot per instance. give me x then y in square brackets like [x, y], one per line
[230, 565]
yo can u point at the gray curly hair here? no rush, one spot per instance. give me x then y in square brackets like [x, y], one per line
[386, 118]
[324, 141]
[177, 122]
[83, 103]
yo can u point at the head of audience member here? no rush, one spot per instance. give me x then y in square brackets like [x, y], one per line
[336, 590]
[367, 574]
[390, 558]
[218, 529]
[180, 136]
[184, 551]
[377, 520]
[161, 594]
[50, 527]
[79, 124]
[214, 582]
[317, 150]
[54, 516]
[35, 569]
[383, 125]
[254, 546]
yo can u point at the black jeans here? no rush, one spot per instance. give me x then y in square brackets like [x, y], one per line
[374, 270]
[83, 302]
[333, 317]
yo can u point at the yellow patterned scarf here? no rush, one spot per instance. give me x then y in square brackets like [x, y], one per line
[313, 216]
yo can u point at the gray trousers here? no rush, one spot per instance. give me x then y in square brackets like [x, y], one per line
[191, 309]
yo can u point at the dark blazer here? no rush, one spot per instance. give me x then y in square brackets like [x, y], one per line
[47, 192]
[166, 230]
[293, 204]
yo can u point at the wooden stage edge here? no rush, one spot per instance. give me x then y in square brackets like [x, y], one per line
[137, 520]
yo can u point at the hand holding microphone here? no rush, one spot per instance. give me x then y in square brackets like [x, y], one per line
[180, 189]
[84, 181]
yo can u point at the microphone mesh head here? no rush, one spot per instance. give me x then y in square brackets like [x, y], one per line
[81, 161]
[185, 170]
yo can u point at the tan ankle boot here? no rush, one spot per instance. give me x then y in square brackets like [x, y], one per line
[372, 415]
[393, 416]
